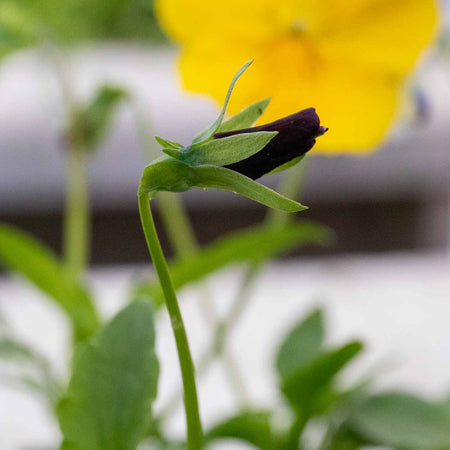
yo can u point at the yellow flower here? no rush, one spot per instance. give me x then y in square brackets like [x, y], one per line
[349, 59]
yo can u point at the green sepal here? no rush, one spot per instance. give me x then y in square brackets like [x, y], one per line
[246, 118]
[175, 176]
[228, 150]
[172, 152]
[287, 165]
[206, 134]
[167, 144]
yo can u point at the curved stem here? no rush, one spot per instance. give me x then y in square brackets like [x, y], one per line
[194, 428]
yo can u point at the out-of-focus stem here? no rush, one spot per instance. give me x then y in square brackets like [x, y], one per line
[77, 214]
[77, 217]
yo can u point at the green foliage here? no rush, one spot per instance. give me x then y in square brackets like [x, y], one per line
[21, 253]
[306, 387]
[246, 118]
[92, 122]
[249, 426]
[402, 421]
[302, 345]
[108, 404]
[26, 22]
[242, 246]
[305, 368]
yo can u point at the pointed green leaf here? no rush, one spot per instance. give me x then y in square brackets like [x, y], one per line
[246, 118]
[108, 404]
[19, 252]
[252, 427]
[175, 176]
[402, 421]
[228, 150]
[304, 387]
[168, 144]
[206, 134]
[241, 246]
[302, 345]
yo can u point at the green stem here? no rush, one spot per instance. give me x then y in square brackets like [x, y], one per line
[194, 427]
[184, 244]
[77, 217]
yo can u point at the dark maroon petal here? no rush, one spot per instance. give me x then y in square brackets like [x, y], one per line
[296, 135]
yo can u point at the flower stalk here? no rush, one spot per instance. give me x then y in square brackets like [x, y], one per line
[193, 423]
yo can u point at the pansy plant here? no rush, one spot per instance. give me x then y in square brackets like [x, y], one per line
[230, 156]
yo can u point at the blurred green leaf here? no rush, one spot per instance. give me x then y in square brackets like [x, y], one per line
[402, 421]
[35, 371]
[227, 150]
[92, 122]
[252, 244]
[19, 252]
[18, 29]
[175, 176]
[73, 21]
[12, 349]
[246, 118]
[301, 345]
[108, 405]
[252, 427]
[304, 387]
[206, 134]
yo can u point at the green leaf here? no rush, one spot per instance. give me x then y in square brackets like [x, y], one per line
[206, 134]
[175, 176]
[252, 427]
[246, 118]
[301, 345]
[95, 118]
[402, 421]
[227, 150]
[21, 253]
[305, 387]
[256, 243]
[168, 144]
[108, 405]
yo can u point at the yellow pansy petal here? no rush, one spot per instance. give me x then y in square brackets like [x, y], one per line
[384, 34]
[348, 59]
[184, 20]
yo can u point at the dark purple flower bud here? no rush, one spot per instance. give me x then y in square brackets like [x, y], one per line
[296, 135]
